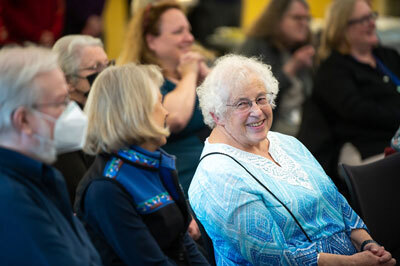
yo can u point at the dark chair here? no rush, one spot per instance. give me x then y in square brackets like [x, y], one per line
[375, 195]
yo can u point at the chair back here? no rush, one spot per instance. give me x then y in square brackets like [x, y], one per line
[375, 195]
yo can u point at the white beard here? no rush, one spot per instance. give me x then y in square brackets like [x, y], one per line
[44, 148]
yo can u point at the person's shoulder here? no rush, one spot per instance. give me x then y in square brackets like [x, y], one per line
[213, 158]
[103, 189]
[255, 46]
[282, 137]
[12, 187]
[333, 59]
[386, 53]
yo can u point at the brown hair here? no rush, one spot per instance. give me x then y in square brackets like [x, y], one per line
[267, 24]
[145, 21]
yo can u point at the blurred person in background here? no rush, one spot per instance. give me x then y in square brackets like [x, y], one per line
[36, 21]
[37, 226]
[84, 17]
[160, 34]
[356, 95]
[282, 38]
[82, 58]
[130, 200]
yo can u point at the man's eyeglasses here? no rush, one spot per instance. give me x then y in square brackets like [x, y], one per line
[244, 105]
[58, 104]
[363, 19]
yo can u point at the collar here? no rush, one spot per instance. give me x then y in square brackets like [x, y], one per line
[18, 162]
[148, 159]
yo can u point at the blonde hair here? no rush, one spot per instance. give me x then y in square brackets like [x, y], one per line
[120, 107]
[146, 20]
[334, 33]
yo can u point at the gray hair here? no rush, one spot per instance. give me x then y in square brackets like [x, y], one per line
[231, 72]
[69, 50]
[19, 66]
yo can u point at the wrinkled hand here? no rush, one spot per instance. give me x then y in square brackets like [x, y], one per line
[379, 251]
[367, 258]
[189, 63]
[194, 230]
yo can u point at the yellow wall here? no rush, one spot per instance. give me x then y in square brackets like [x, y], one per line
[115, 17]
[253, 8]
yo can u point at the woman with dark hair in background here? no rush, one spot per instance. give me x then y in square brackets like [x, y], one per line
[281, 36]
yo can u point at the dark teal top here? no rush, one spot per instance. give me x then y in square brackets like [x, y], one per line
[188, 144]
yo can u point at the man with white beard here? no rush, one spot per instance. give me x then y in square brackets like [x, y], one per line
[37, 226]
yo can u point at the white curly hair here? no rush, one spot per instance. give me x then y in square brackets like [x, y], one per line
[232, 72]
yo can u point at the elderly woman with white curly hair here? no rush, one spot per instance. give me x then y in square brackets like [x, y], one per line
[260, 195]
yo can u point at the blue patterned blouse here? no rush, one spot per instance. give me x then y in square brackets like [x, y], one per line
[249, 227]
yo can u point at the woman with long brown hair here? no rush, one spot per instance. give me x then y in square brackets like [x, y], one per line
[160, 34]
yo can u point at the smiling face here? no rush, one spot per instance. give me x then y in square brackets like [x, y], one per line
[294, 25]
[248, 128]
[174, 39]
[361, 32]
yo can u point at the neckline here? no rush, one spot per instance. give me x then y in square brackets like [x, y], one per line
[271, 150]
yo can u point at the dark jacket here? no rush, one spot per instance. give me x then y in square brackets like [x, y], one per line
[37, 226]
[135, 211]
[73, 166]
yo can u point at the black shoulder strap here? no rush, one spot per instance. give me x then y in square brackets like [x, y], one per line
[259, 182]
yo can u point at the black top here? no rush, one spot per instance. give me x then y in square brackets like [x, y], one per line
[73, 166]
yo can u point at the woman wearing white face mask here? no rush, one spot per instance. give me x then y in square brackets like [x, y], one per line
[81, 58]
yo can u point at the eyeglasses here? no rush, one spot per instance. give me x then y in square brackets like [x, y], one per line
[99, 66]
[364, 19]
[96, 70]
[244, 105]
[58, 104]
[299, 18]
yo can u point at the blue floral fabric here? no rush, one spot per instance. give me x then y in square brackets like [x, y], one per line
[248, 226]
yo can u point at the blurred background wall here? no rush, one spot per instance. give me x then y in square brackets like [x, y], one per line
[116, 15]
